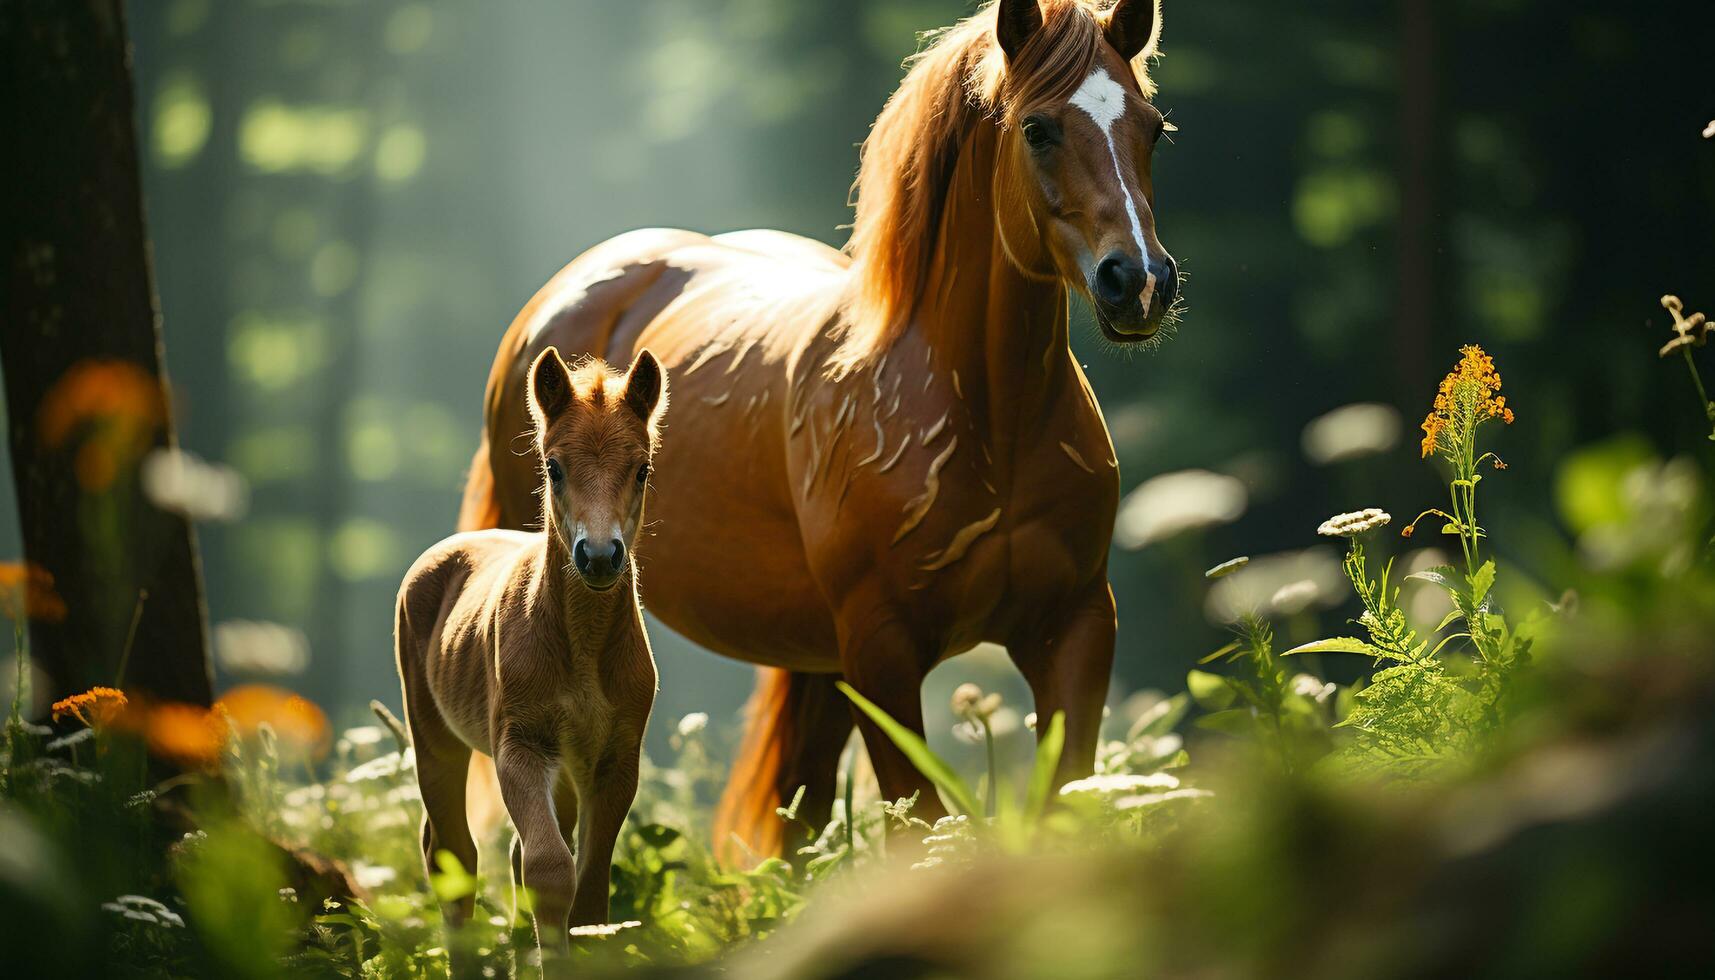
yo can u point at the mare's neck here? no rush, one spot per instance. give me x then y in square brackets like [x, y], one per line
[587, 621]
[1003, 329]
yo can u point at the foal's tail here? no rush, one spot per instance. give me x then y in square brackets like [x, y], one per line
[480, 511]
[795, 727]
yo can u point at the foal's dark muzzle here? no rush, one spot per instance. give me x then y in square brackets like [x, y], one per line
[599, 565]
[1132, 297]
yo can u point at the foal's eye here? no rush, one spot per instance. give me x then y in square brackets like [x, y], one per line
[555, 473]
[1036, 133]
[642, 473]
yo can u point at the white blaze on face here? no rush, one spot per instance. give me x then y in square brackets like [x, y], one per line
[1103, 100]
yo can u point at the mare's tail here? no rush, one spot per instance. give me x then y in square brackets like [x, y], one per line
[795, 728]
[479, 511]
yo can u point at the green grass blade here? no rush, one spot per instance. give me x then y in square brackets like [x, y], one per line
[916, 750]
[1048, 752]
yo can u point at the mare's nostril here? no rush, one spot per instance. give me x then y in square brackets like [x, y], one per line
[1119, 279]
[618, 554]
[1170, 282]
[581, 556]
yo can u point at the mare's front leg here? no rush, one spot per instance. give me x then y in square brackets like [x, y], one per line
[883, 661]
[605, 797]
[527, 768]
[1067, 663]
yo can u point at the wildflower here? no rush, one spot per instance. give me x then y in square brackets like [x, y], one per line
[298, 723]
[1120, 782]
[1174, 503]
[1294, 597]
[1469, 395]
[1354, 523]
[1143, 800]
[1351, 432]
[1252, 589]
[141, 908]
[1709, 130]
[970, 704]
[246, 646]
[1689, 331]
[177, 481]
[1306, 685]
[187, 734]
[1227, 567]
[97, 707]
[27, 591]
[693, 723]
[604, 930]
[115, 405]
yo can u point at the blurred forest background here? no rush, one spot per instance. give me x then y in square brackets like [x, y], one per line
[349, 201]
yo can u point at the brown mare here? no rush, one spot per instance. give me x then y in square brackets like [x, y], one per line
[882, 456]
[530, 648]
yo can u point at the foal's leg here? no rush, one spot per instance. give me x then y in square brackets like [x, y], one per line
[606, 798]
[442, 763]
[883, 661]
[526, 778]
[565, 814]
[1067, 665]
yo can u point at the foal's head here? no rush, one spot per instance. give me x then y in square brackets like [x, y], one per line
[1075, 158]
[596, 431]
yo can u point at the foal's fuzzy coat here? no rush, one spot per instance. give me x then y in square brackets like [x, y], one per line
[531, 648]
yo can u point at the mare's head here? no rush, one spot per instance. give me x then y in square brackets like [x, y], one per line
[1073, 189]
[1063, 87]
[596, 431]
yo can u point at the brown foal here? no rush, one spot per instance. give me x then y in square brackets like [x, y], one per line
[531, 648]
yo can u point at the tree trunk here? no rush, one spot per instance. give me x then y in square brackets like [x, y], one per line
[81, 339]
[1419, 224]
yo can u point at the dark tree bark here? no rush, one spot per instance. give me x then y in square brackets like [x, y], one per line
[1419, 224]
[78, 288]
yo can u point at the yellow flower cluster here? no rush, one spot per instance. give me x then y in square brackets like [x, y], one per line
[1472, 385]
[97, 707]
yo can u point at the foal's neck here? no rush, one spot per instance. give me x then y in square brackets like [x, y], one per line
[565, 608]
[1004, 330]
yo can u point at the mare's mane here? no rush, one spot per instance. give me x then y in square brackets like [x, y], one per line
[958, 79]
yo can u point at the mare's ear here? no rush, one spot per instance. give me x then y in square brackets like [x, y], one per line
[646, 387]
[550, 386]
[1014, 22]
[1134, 27]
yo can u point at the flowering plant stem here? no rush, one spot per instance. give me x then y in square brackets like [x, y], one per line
[1702, 394]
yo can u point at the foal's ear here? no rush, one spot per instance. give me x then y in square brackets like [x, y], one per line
[1015, 21]
[646, 387]
[1134, 27]
[550, 386]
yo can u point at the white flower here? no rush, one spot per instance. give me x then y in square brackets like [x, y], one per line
[1351, 432]
[177, 481]
[363, 735]
[1294, 597]
[1173, 503]
[382, 767]
[1227, 567]
[1312, 687]
[1709, 130]
[250, 647]
[1120, 782]
[1352, 524]
[693, 723]
[1153, 799]
[372, 875]
[1252, 589]
[605, 930]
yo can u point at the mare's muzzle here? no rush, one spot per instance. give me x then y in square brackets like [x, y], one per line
[1133, 295]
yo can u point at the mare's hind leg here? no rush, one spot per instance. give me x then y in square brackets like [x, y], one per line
[811, 758]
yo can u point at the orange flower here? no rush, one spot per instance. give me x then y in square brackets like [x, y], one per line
[1468, 395]
[187, 734]
[116, 405]
[296, 721]
[28, 590]
[97, 707]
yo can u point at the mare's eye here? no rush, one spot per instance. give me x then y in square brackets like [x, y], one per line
[555, 473]
[642, 473]
[1036, 133]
